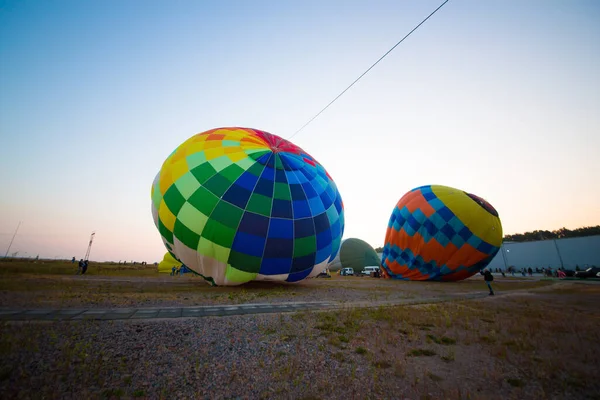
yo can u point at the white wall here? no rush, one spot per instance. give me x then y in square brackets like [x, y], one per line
[580, 251]
[543, 253]
[548, 253]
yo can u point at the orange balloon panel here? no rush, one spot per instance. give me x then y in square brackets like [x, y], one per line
[440, 233]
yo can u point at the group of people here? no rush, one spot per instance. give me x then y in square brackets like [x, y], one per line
[178, 270]
[488, 277]
[135, 262]
[523, 271]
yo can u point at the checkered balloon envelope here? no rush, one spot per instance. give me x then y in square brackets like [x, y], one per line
[239, 204]
[440, 233]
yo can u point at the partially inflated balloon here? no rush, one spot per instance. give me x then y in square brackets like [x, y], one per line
[440, 233]
[167, 264]
[239, 204]
[356, 254]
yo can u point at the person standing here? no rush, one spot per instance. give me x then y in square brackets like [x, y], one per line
[488, 278]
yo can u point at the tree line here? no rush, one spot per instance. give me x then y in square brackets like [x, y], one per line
[561, 233]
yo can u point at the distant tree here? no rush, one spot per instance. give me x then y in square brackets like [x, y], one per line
[379, 250]
[556, 234]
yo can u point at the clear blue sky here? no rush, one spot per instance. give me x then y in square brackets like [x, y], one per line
[497, 97]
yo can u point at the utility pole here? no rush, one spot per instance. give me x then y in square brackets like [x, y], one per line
[87, 253]
[11, 241]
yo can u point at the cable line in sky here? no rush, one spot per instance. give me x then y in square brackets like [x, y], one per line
[371, 67]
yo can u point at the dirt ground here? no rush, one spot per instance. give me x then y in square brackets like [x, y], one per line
[533, 340]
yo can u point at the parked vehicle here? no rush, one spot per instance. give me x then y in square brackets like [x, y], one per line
[347, 271]
[324, 274]
[592, 272]
[368, 271]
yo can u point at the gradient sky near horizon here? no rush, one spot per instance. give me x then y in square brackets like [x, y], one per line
[500, 98]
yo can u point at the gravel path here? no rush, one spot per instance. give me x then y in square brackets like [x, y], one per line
[333, 355]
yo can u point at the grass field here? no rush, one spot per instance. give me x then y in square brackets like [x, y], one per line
[54, 284]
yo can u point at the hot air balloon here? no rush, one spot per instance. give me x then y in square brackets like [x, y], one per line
[167, 264]
[440, 233]
[239, 204]
[356, 254]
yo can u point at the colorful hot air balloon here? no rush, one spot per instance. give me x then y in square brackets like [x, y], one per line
[440, 233]
[356, 254]
[167, 264]
[239, 204]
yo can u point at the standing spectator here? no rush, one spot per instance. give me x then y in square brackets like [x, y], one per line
[80, 267]
[488, 278]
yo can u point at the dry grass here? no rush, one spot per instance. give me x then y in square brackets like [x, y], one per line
[51, 284]
[539, 345]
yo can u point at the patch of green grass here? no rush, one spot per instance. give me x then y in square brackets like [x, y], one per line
[138, 393]
[382, 364]
[380, 314]
[434, 377]
[288, 338]
[110, 393]
[343, 339]
[575, 381]
[299, 316]
[5, 372]
[360, 350]
[519, 346]
[487, 339]
[399, 370]
[334, 341]
[443, 340]
[425, 327]
[329, 327]
[448, 341]
[515, 382]
[421, 352]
